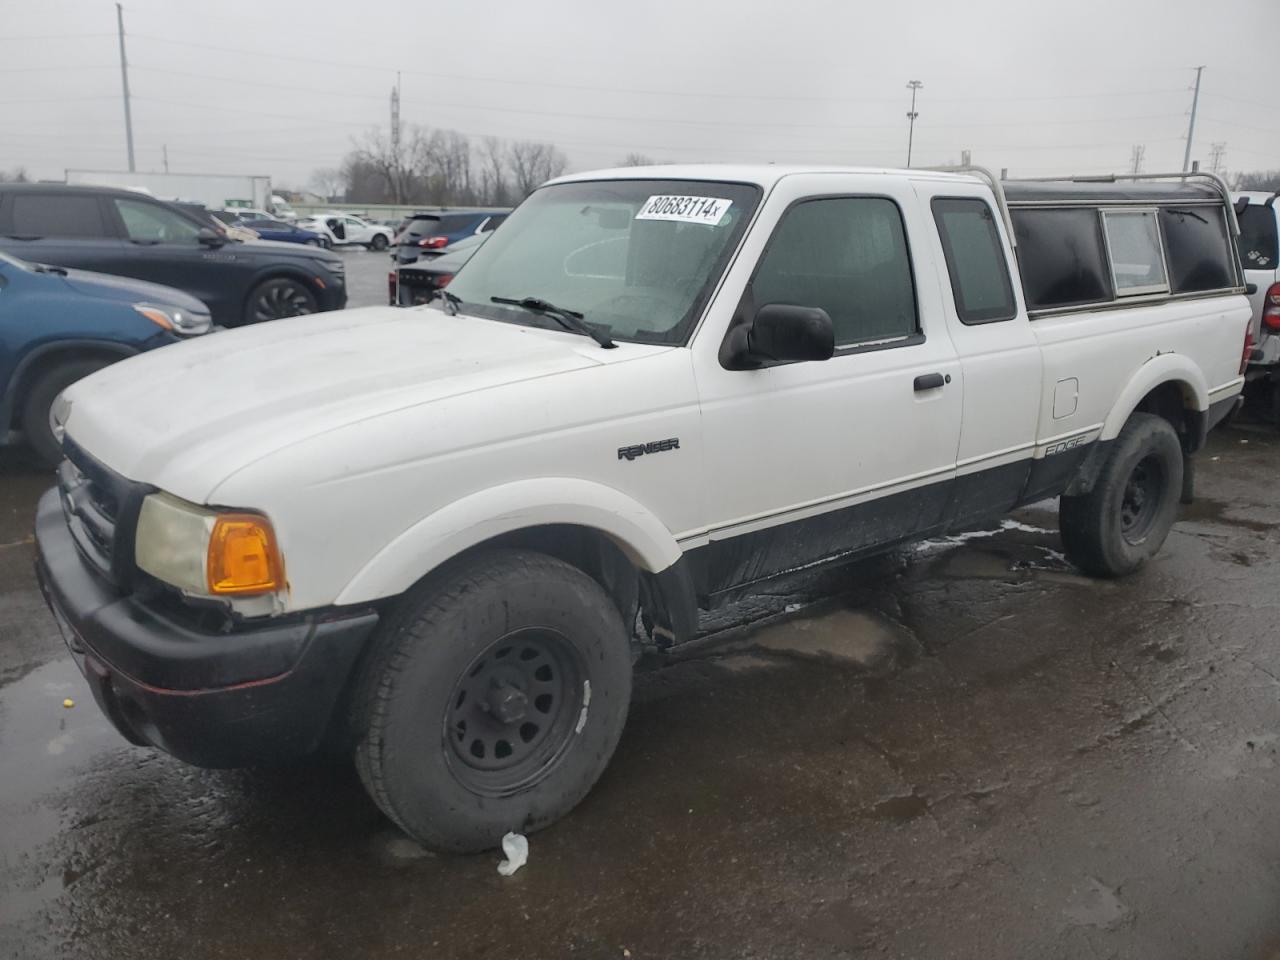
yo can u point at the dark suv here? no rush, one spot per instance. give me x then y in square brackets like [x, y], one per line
[133, 235]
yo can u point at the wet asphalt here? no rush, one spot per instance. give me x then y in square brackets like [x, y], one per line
[962, 750]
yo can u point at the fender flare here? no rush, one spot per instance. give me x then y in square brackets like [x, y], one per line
[481, 516]
[1173, 368]
[9, 400]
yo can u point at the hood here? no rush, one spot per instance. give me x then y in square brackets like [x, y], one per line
[189, 415]
[128, 290]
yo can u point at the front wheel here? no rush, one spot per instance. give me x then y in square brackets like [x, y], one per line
[37, 409]
[493, 701]
[1124, 520]
[278, 298]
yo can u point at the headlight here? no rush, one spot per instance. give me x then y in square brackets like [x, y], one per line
[185, 323]
[207, 552]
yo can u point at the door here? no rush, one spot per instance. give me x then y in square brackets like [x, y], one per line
[807, 462]
[163, 246]
[998, 352]
[68, 228]
[357, 230]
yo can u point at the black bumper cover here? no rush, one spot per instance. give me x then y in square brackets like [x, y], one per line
[249, 696]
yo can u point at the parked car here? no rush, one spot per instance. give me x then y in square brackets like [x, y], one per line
[227, 228]
[132, 235]
[1260, 256]
[58, 325]
[345, 229]
[427, 235]
[441, 540]
[282, 232]
[411, 284]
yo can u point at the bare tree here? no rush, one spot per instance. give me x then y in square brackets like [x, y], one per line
[494, 187]
[1258, 180]
[392, 161]
[16, 175]
[327, 181]
[533, 164]
[636, 160]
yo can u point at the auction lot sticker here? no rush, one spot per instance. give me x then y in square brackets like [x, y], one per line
[708, 210]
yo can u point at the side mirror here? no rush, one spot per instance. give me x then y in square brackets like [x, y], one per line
[1250, 289]
[209, 237]
[784, 333]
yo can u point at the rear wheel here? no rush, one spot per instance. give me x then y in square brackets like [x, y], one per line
[37, 409]
[1116, 527]
[379, 242]
[493, 701]
[281, 297]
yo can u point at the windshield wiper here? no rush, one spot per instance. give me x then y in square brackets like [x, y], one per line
[569, 319]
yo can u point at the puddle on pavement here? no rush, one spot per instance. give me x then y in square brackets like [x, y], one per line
[42, 744]
[1205, 510]
[859, 637]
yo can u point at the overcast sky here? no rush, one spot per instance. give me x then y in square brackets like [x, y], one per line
[280, 87]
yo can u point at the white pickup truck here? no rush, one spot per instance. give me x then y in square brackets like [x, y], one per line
[436, 534]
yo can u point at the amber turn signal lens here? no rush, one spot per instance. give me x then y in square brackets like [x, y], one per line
[158, 317]
[243, 556]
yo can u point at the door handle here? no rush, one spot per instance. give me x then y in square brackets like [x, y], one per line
[929, 381]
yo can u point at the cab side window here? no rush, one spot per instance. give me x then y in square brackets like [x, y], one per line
[152, 223]
[847, 255]
[976, 263]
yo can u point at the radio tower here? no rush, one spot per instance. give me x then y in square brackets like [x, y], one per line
[1216, 151]
[1136, 158]
[395, 117]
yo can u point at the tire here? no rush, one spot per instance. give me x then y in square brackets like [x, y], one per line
[1116, 527]
[379, 242]
[448, 744]
[36, 409]
[278, 298]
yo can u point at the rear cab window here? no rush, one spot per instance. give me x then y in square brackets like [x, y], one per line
[1258, 240]
[979, 272]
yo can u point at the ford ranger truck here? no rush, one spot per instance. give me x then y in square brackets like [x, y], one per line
[435, 536]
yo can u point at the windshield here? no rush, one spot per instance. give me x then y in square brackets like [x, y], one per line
[637, 258]
[1258, 237]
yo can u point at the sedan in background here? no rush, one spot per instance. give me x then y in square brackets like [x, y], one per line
[283, 232]
[416, 283]
[59, 325]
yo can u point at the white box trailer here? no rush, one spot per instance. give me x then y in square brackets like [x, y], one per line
[216, 191]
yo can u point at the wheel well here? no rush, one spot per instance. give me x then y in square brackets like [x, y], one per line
[1175, 402]
[48, 360]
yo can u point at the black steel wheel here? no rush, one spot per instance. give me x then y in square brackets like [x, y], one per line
[278, 298]
[513, 711]
[492, 699]
[1144, 492]
[1120, 523]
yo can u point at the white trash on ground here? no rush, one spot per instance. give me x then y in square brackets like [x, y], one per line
[516, 847]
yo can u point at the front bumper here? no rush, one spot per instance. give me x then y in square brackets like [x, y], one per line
[247, 696]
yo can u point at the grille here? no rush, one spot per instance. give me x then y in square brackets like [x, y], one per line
[101, 508]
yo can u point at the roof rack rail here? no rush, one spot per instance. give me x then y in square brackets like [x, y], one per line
[1213, 178]
[996, 187]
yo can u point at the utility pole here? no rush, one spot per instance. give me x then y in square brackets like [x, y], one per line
[1191, 127]
[1136, 158]
[913, 86]
[124, 77]
[166, 158]
[1216, 151]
